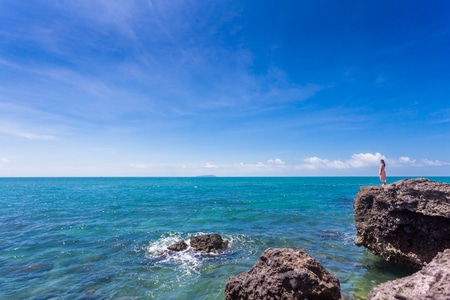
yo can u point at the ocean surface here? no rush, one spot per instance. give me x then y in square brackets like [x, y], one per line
[102, 238]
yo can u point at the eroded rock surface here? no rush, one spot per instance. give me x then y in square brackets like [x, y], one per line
[407, 222]
[432, 282]
[284, 274]
[178, 246]
[208, 243]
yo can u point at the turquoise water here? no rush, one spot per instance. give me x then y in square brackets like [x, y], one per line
[101, 238]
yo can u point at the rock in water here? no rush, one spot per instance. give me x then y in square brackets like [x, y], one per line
[407, 222]
[178, 246]
[284, 274]
[208, 243]
[432, 282]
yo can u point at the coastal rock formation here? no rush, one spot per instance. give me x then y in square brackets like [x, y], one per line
[208, 243]
[407, 222]
[284, 274]
[432, 282]
[178, 246]
[204, 243]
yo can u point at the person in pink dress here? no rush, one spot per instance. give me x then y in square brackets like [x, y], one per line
[382, 172]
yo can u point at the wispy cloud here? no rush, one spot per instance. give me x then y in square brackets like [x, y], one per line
[26, 134]
[32, 136]
[24, 123]
[151, 75]
[424, 162]
[171, 58]
[435, 163]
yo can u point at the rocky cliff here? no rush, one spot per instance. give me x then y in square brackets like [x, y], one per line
[407, 221]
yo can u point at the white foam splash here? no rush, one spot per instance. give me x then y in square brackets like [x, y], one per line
[157, 247]
[187, 262]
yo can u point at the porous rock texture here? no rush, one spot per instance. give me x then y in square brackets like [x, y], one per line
[407, 222]
[208, 243]
[284, 273]
[178, 246]
[432, 282]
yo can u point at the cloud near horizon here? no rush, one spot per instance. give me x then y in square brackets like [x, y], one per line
[359, 160]
[356, 161]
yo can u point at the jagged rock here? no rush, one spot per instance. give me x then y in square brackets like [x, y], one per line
[407, 222]
[432, 282]
[284, 274]
[178, 246]
[208, 243]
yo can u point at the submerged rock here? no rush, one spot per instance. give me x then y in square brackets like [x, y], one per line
[407, 222]
[432, 282]
[284, 274]
[208, 243]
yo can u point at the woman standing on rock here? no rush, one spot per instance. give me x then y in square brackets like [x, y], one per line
[382, 172]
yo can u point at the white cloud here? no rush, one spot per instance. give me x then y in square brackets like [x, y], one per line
[406, 160]
[242, 167]
[210, 166]
[316, 163]
[257, 165]
[276, 161]
[359, 160]
[362, 160]
[435, 163]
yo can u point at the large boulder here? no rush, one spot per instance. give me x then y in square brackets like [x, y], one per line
[284, 274]
[407, 222]
[432, 282]
[208, 243]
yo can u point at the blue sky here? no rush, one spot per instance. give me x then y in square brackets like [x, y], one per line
[231, 88]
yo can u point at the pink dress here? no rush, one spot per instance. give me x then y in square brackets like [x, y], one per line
[382, 174]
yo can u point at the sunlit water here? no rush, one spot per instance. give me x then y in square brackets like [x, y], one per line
[102, 238]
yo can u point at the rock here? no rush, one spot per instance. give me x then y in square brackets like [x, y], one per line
[178, 246]
[208, 243]
[284, 274]
[407, 222]
[432, 282]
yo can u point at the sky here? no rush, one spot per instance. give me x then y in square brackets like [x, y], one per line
[229, 88]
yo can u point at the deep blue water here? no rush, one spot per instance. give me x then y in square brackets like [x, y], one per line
[100, 238]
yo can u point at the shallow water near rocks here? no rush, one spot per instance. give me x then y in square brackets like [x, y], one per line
[101, 238]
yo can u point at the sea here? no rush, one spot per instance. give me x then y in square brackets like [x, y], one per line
[105, 238]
